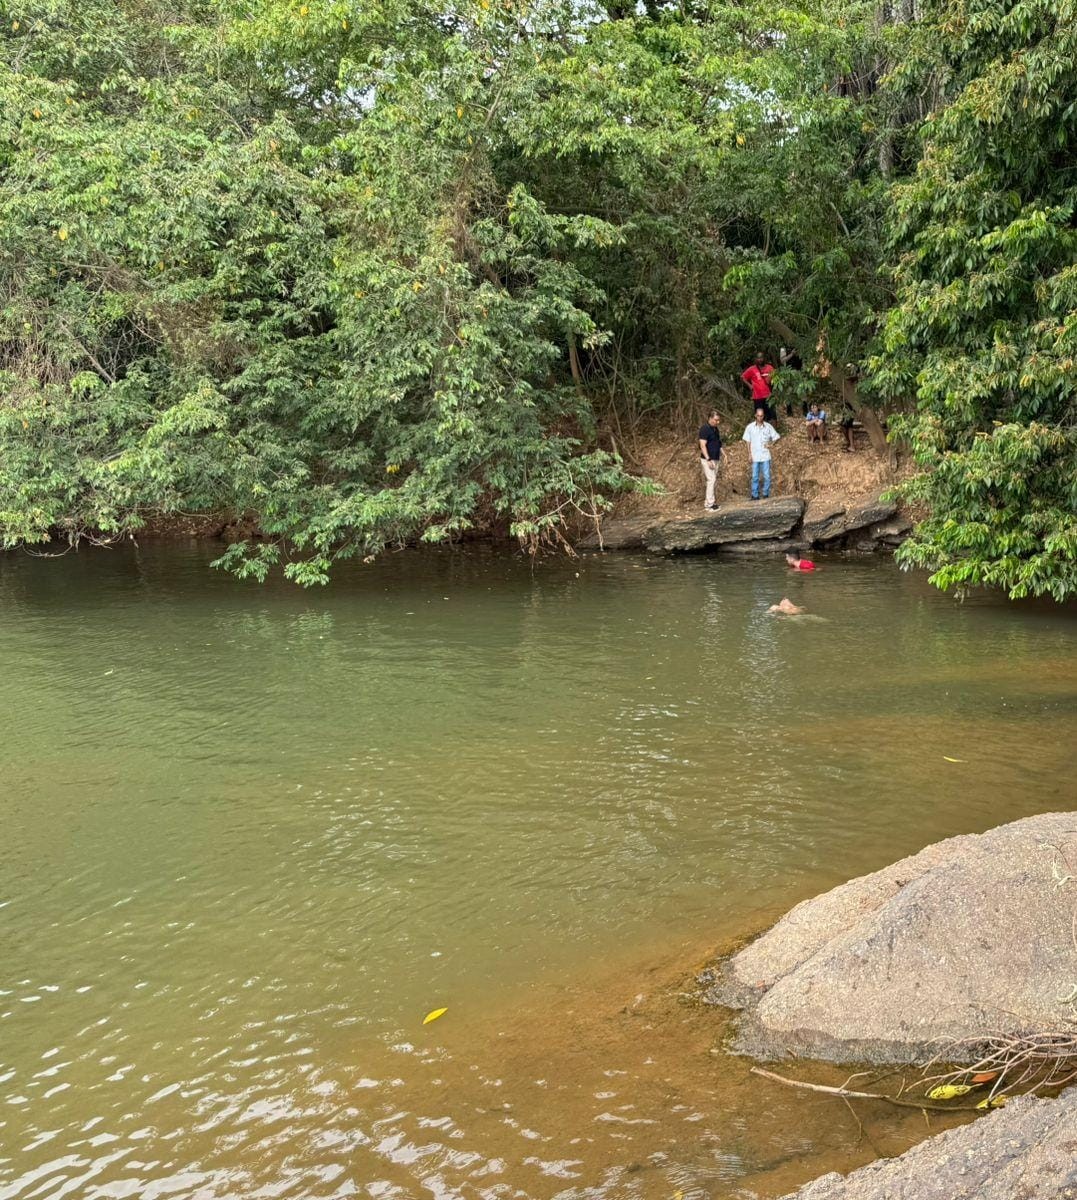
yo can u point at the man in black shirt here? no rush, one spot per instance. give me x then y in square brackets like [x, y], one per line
[710, 454]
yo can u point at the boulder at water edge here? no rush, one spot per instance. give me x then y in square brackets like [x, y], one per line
[750, 521]
[1025, 1151]
[620, 533]
[972, 936]
[831, 520]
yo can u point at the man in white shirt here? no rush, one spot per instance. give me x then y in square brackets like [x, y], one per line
[760, 435]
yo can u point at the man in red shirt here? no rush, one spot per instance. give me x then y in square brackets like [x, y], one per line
[798, 563]
[757, 377]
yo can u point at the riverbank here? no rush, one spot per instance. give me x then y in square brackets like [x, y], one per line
[822, 497]
[837, 489]
[821, 471]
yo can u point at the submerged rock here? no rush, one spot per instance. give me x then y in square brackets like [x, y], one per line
[745, 522]
[771, 546]
[970, 937]
[1025, 1151]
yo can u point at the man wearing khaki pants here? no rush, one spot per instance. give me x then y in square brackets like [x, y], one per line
[710, 454]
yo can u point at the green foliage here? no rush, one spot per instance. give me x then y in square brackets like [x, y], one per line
[370, 271]
[258, 291]
[984, 329]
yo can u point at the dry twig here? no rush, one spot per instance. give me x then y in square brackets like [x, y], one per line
[847, 1094]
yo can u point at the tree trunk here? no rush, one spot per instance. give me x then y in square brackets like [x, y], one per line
[867, 417]
[574, 362]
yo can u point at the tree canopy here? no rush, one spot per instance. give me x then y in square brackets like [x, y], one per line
[982, 331]
[377, 270]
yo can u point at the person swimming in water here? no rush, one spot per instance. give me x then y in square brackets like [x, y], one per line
[786, 608]
[799, 564]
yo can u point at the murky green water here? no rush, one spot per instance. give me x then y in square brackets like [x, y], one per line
[252, 835]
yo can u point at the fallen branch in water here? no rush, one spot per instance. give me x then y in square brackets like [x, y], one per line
[1045, 1060]
[848, 1094]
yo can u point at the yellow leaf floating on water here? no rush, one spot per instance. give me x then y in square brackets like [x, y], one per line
[433, 1016]
[947, 1091]
[949, 759]
[993, 1102]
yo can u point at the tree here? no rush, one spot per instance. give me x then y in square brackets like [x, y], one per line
[983, 332]
[292, 290]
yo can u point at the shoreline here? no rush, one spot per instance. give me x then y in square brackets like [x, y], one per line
[648, 1009]
[816, 473]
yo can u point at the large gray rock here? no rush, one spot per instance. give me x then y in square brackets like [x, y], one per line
[972, 936]
[1025, 1151]
[828, 520]
[823, 520]
[860, 516]
[893, 532]
[621, 533]
[749, 521]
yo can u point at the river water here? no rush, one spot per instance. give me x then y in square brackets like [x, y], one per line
[251, 836]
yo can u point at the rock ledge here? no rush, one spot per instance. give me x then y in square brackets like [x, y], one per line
[731, 524]
[771, 526]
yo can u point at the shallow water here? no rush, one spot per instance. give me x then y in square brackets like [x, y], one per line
[251, 836]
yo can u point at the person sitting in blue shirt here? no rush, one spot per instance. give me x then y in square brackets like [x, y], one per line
[816, 423]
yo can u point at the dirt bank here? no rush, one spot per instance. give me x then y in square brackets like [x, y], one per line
[812, 471]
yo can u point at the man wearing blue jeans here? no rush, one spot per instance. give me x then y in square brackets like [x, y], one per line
[760, 435]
